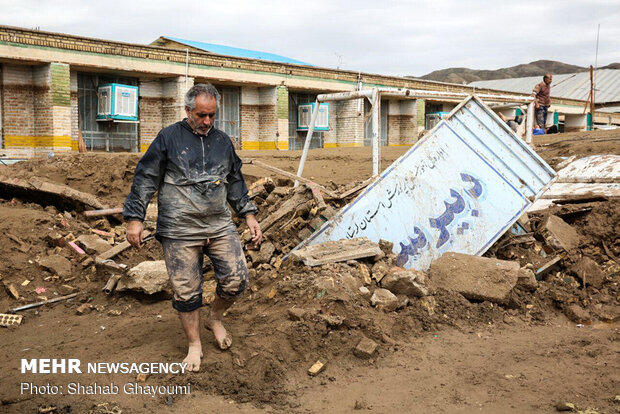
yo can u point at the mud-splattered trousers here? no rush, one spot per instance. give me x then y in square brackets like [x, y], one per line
[184, 261]
[197, 177]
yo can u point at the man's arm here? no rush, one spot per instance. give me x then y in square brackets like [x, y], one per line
[147, 177]
[535, 94]
[239, 199]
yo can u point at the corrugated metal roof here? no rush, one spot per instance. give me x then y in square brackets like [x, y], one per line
[569, 86]
[237, 52]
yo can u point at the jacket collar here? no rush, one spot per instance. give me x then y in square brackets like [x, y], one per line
[187, 126]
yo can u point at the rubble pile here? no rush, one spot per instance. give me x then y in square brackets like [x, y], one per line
[334, 302]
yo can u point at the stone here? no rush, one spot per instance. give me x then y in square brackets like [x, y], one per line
[608, 313]
[11, 290]
[365, 349]
[296, 314]
[383, 298]
[336, 251]
[577, 314]
[148, 277]
[527, 280]
[265, 253]
[405, 282]
[317, 367]
[476, 278]
[379, 270]
[93, 244]
[56, 264]
[386, 246]
[559, 234]
[565, 406]
[365, 274]
[55, 239]
[364, 291]
[589, 272]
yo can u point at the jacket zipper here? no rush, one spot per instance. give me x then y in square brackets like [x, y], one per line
[202, 142]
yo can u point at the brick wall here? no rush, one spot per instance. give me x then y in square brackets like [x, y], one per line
[348, 128]
[73, 88]
[151, 110]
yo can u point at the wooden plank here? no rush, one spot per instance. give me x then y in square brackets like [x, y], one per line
[104, 212]
[119, 248]
[336, 251]
[357, 188]
[292, 176]
[34, 185]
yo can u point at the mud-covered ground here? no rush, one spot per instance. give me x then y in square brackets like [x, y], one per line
[439, 353]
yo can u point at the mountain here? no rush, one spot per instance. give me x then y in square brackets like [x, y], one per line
[537, 68]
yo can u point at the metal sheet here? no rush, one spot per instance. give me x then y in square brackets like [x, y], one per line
[604, 167]
[459, 189]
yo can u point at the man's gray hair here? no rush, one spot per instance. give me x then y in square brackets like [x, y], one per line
[201, 89]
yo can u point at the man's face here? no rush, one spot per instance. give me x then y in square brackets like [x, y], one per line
[547, 80]
[201, 118]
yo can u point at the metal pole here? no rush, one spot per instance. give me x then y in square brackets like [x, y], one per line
[529, 123]
[304, 154]
[376, 144]
[343, 96]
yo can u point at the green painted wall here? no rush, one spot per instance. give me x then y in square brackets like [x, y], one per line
[61, 92]
[282, 108]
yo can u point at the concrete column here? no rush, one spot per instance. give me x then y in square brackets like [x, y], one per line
[575, 122]
[282, 113]
[349, 124]
[173, 93]
[249, 115]
[268, 117]
[151, 109]
[75, 115]
[37, 108]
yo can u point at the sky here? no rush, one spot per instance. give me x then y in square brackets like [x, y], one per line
[390, 37]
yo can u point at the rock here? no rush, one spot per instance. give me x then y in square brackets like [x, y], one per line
[93, 244]
[379, 270]
[365, 274]
[281, 191]
[364, 291]
[11, 290]
[365, 349]
[577, 314]
[386, 246]
[385, 299]
[565, 406]
[296, 314]
[317, 367]
[559, 234]
[588, 271]
[265, 253]
[476, 278]
[83, 308]
[141, 377]
[405, 282]
[608, 313]
[55, 239]
[527, 280]
[148, 277]
[56, 264]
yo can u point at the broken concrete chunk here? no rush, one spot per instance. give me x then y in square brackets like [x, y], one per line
[265, 253]
[56, 264]
[476, 278]
[608, 313]
[589, 272]
[364, 291]
[385, 299]
[577, 314]
[405, 282]
[527, 280]
[386, 246]
[317, 367]
[11, 290]
[379, 270]
[365, 274]
[559, 234]
[365, 348]
[336, 251]
[148, 277]
[296, 314]
[93, 244]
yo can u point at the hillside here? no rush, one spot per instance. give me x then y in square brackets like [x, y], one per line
[537, 68]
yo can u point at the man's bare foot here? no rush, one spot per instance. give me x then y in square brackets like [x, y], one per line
[223, 339]
[194, 354]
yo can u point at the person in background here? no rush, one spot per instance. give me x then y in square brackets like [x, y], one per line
[542, 99]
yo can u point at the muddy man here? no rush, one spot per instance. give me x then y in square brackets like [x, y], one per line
[197, 174]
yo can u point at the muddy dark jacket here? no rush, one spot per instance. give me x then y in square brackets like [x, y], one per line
[196, 175]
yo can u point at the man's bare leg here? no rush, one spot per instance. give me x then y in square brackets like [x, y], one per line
[214, 322]
[191, 326]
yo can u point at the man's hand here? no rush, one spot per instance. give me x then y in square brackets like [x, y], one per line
[257, 234]
[134, 233]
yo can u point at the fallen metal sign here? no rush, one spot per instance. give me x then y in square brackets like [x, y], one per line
[458, 189]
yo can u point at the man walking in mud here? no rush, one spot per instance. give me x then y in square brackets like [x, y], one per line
[196, 172]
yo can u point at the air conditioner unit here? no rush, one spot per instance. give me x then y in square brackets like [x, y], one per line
[117, 102]
[304, 115]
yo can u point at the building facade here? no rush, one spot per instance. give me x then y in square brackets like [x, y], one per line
[49, 96]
